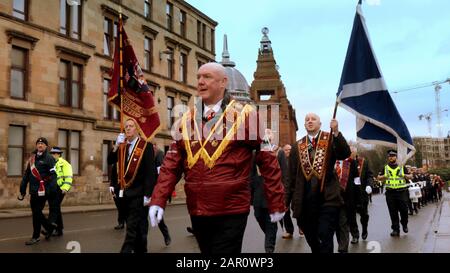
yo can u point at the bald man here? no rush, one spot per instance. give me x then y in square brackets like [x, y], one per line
[217, 171]
[317, 210]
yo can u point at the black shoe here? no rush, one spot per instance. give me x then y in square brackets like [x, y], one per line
[119, 226]
[167, 240]
[405, 229]
[32, 241]
[190, 230]
[57, 233]
[44, 232]
[270, 250]
[364, 234]
[395, 233]
[354, 240]
[50, 231]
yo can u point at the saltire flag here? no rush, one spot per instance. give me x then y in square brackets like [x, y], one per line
[137, 100]
[363, 92]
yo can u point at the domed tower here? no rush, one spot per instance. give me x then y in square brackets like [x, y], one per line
[237, 84]
[268, 90]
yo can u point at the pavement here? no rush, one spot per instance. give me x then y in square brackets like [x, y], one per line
[437, 238]
[26, 212]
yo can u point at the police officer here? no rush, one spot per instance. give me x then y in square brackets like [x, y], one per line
[40, 175]
[64, 178]
[397, 195]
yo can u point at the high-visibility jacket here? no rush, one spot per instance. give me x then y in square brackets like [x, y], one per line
[395, 177]
[64, 175]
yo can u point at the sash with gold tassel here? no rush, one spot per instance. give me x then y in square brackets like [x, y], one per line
[134, 162]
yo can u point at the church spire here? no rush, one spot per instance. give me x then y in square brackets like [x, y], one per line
[225, 54]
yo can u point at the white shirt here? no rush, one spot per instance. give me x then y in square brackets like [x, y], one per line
[215, 108]
[313, 137]
[132, 143]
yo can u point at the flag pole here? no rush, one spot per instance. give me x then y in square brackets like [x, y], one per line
[327, 154]
[121, 147]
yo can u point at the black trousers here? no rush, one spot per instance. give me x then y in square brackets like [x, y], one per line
[343, 231]
[37, 204]
[163, 228]
[319, 227]
[363, 212]
[59, 219]
[397, 202]
[270, 229]
[121, 209]
[137, 226]
[220, 234]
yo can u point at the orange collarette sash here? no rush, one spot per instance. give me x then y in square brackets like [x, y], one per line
[360, 165]
[317, 166]
[134, 162]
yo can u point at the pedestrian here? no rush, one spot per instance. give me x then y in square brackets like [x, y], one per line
[397, 194]
[114, 189]
[139, 179]
[261, 211]
[41, 177]
[366, 177]
[216, 167]
[316, 207]
[64, 179]
[283, 160]
[348, 176]
[159, 158]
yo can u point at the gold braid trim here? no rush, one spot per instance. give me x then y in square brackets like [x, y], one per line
[211, 160]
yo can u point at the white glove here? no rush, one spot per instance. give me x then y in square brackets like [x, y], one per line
[147, 200]
[369, 189]
[277, 216]
[111, 190]
[156, 214]
[120, 139]
[357, 181]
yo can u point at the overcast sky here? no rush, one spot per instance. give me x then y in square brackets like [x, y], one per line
[411, 39]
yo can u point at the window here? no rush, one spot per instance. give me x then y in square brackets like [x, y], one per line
[148, 9]
[110, 29]
[204, 36]
[109, 112]
[200, 63]
[106, 147]
[70, 75]
[70, 19]
[19, 60]
[69, 142]
[183, 67]
[16, 148]
[182, 23]
[199, 33]
[169, 15]
[170, 63]
[20, 9]
[170, 105]
[213, 42]
[148, 60]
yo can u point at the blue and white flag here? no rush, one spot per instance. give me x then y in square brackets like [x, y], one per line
[363, 92]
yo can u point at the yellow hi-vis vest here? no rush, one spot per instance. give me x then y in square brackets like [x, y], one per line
[395, 177]
[64, 175]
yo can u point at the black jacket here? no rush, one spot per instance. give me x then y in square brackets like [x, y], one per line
[45, 164]
[352, 195]
[145, 179]
[307, 192]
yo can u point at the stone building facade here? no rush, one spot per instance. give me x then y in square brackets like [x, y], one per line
[432, 152]
[268, 90]
[55, 73]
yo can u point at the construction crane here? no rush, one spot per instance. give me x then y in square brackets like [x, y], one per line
[437, 94]
[427, 117]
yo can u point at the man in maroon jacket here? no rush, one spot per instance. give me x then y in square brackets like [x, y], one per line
[216, 165]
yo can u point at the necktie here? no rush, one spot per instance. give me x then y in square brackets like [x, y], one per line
[313, 142]
[210, 114]
[127, 152]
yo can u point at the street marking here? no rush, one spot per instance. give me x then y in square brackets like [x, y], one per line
[75, 246]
